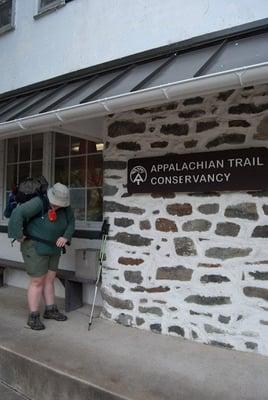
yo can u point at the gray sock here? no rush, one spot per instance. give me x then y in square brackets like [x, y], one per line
[50, 307]
[34, 313]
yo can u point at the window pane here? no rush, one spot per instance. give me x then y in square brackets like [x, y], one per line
[62, 171]
[12, 150]
[78, 203]
[94, 205]
[78, 146]
[46, 3]
[61, 145]
[78, 171]
[91, 147]
[37, 143]
[5, 12]
[11, 176]
[24, 171]
[36, 169]
[25, 148]
[95, 171]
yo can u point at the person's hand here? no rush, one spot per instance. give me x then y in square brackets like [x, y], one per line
[21, 239]
[61, 242]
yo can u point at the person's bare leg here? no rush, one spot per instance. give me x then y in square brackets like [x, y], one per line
[34, 293]
[49, 289]
[51, 311]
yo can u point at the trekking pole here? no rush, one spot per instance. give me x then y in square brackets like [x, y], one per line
[104, 235]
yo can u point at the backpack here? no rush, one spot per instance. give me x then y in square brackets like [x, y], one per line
[25, 191]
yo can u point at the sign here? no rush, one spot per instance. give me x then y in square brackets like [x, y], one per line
[239, 169]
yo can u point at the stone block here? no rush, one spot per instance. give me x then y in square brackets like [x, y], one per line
[125, 319]
[165, 225]
[130, 261]
[196, 225]
[227, 138]
[184, 246]
[227, 229]
[208, 300]
[175, 129]
[130, 146]
[214, 279]
[125, 127]
[180, 209]
[258, 292]
[224, 253]
[133, 276]
[243, 211]
[112, 206]
[208, 209]
[193, 100]
[123, 222]
[176, 329]
[116, 302]
[179, 273]
[260, 231]
[151, 310]
[206, 125]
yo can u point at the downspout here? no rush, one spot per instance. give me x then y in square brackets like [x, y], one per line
[241, 77]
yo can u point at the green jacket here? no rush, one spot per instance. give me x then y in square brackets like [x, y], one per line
[29, 219]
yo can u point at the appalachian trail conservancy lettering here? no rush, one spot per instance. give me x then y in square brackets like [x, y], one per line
[199, 171]
[226, 170]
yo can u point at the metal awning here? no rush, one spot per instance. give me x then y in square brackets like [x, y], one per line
[231, 62]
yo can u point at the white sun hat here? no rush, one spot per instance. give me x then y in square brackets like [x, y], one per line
[59, 195]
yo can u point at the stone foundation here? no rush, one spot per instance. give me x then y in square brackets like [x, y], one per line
[193, 265]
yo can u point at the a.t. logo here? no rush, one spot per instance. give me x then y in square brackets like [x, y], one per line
[138, 175]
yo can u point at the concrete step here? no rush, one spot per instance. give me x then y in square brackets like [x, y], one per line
[40, 382]
[66, 362]
[9, 393]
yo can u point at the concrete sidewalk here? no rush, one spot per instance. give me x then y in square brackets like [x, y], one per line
[65, 361]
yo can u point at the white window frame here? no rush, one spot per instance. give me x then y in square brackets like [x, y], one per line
[11, 25]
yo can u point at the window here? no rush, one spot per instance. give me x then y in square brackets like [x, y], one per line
[24, 158]
[45, 6]
[78, 164]
[7, 12]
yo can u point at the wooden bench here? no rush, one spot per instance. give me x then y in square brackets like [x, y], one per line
[73, 284]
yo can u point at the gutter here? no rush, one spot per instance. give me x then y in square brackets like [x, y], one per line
[204, 85]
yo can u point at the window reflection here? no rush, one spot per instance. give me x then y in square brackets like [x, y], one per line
[12, 150]
[94, 205]
[95, 171]
[25, 148]
[24, 171]
[78, 172]
[79, 165]
[62, 144]
[77, 197]
[62, 171]
[11, 178]
[78, 146]
[37, 143]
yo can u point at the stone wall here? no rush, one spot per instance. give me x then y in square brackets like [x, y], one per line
[185, 264]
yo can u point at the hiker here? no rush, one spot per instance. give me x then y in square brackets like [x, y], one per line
[50, 219]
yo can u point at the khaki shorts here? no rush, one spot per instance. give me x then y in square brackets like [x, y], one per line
[37, 265]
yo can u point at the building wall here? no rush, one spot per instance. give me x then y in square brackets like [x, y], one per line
[89, 32]
[190, 265]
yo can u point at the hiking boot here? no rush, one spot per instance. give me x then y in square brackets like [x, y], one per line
[52, 312]
[34, 321]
